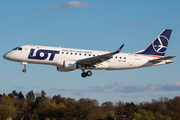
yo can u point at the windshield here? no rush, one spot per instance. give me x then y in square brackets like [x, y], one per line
[17, 48]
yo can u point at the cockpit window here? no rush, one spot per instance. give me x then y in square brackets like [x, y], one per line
[18, 48]
[15, 48]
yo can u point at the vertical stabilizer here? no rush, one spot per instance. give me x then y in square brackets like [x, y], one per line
[158, 46]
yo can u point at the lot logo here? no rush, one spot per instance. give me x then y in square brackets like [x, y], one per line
[160, 44]
[42, 54]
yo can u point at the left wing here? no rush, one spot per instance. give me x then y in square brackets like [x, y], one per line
[98, 59]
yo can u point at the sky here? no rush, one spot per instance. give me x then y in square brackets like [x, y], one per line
[94, 25]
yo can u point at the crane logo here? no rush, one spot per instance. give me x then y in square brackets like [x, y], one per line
[160, 44]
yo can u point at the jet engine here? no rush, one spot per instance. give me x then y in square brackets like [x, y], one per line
[69, 66]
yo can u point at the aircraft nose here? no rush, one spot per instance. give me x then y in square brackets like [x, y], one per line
[6, 56]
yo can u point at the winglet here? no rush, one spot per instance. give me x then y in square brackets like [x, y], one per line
[119, 49]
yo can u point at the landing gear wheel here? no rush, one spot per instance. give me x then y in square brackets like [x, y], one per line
[24, 70]
[25, 65]
[84, 74]
[89, 73]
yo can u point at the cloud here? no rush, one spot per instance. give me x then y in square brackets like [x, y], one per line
[120, 88]
[136, 24]
[171, 87]
[20, 87]
[35, 87]
[68, 5]
[169, 95]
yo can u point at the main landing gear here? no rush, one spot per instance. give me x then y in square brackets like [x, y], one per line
[25, 65]
[84, 74]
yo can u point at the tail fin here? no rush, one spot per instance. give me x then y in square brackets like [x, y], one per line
[158, 46]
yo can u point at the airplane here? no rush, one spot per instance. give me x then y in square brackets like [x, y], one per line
[69, 59]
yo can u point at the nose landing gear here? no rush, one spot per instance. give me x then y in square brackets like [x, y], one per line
[25, 65]
[84, 74]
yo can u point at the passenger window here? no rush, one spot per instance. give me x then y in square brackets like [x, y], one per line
[84, 54]
[79, 53]
[116, 56]
[67, 53]
[93, 55]
[75, 53]
[120, 57]
[89, 54]
[124, 57]
[62, 52]
[71, 53]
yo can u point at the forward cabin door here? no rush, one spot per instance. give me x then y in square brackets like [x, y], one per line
[131, 59]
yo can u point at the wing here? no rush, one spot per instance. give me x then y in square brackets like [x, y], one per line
[161, 59]
[98, 59]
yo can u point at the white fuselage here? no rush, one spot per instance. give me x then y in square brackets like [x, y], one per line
[58, 56]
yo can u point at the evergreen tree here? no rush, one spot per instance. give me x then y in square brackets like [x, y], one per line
[20, 95]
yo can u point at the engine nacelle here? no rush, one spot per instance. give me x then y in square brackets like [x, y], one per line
[62, 69]
[69, 64]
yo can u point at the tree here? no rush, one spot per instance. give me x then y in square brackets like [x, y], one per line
[30, 101]
[107, 108]
[110, 115]
[119, 109]
[85, 107]
[144, 115]
[130, 108]
[20, 95]
[11, 95]
[59, 110]
[14, 93]
[56, 99]
[7, 108]
[30, 96]
[7, 111]
[43, 94]
[6, 100]
[71, 108]
[96, 114]
[48, 109]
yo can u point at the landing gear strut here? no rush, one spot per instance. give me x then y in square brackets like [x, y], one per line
[84, 74]
[25, 65]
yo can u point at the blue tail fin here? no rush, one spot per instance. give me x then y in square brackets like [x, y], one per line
[159, 45]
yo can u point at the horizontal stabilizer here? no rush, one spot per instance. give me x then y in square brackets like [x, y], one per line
[161, 59]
